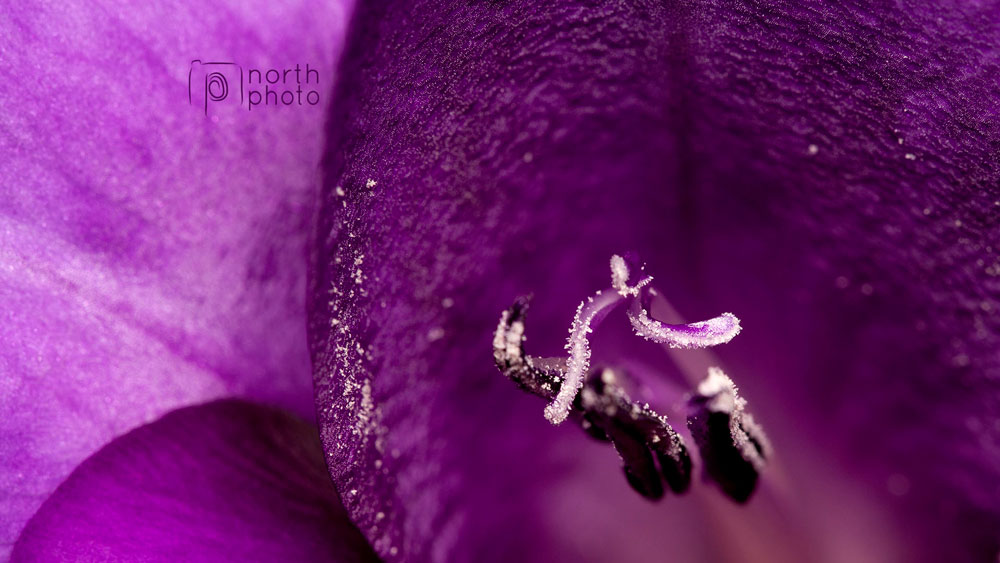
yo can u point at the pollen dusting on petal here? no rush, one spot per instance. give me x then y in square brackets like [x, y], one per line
[620, 275]
[703, 334]
[579, 352]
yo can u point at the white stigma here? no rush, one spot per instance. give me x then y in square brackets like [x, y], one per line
[702, 334]
[579, 353]
[620, 275]
[590, 313]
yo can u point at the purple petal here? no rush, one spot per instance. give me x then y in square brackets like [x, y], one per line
[826, 172]
[150, 257]
[228, 480]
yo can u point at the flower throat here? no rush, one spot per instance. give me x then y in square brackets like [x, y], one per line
[732, 446]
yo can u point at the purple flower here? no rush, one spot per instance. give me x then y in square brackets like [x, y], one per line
[828, 174]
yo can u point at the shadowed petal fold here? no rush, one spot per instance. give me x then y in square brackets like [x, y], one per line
[227, 480]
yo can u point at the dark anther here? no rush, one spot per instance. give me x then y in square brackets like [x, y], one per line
[540, 377]
[733, 447]
[592, 426]
[672, 455]
[640, 470]
[603, 409]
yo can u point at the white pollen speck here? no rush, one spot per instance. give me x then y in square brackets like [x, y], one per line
[900, 140]
[910, 156]
[436, 333]
[607, 377]
[447, 302]
[366, 414]
[958, 222]
[354, 492]
[371, 183]
[393, 551]
[340, 191]
[813, 149]
[379, 516]
[528, 157]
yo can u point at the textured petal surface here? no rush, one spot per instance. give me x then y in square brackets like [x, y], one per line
[150, 257]
[827, 173]
[224, 481]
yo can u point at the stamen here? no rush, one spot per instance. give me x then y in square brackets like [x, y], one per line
[637, 460]
[579, 351]
[638, 433]
[712, 332]
[733, 446]
[540, 377]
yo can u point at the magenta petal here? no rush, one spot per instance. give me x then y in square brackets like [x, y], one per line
[227, 480]
[150, 258]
